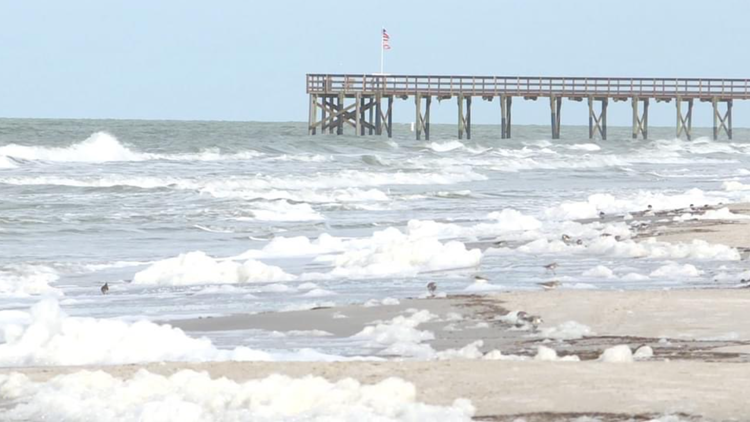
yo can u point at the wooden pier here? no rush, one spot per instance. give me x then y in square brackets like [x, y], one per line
[365, 102]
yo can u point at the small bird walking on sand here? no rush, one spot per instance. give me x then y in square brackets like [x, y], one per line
[432, 288]
[105, 288]
[551, 267]
[549, 285]
[566, 239]
[523, 319]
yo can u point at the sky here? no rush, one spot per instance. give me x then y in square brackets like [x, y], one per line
[246, 60]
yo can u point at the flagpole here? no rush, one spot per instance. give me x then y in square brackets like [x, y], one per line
[381, 50]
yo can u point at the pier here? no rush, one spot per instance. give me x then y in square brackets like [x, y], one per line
[365, 102]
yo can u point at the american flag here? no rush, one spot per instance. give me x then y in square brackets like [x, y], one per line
[386, 40]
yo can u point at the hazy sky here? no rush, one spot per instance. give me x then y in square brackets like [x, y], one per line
[246, 60]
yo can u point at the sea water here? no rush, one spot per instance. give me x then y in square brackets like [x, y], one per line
[188, 219]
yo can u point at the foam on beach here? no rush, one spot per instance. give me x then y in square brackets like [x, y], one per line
[199, 268]
[45, 335]
[196, 397]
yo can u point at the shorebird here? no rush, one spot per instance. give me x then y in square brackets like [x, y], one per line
[524, 320]
[480, 279]
[549, 285]
[535, 321]
[601, 214]
[551, 267]
[105, 288]
[431, 288]
[566, 238]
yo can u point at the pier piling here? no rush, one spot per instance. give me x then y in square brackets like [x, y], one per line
[684, 122]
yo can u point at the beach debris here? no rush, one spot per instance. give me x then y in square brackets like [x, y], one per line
[432, 288]
[601, 214]
[579, 242]
[105, 288]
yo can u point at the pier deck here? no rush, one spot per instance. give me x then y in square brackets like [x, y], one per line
[367, 113]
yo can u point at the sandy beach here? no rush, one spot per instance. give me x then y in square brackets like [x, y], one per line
[699, 338]
[697, 366]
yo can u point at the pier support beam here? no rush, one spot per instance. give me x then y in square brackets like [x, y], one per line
[684, 122]
[598, 123]
[464, 117]
[555, 104]
[640, 121]
[358, 114]
[340, 115]
[505, 116]
[311, 121]
[722, 121]
[385, 118]
[422, 122]
[323, 109]
[378, 114]
[370, 120]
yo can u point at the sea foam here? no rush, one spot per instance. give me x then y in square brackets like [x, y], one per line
[45, 335]
[196, 397]
[199, 268]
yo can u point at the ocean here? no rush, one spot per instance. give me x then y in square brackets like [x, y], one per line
[189, 219]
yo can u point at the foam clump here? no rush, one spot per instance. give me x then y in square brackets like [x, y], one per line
[391, 252]
[600, 271]
[720, 214]
[47, 336]
[199, 268]
[196, 397]
[649, 248]
[672, 270]
[610, 205]
[617, 354]
[643, 352]
[28, 280]
[283, 210]
[547, 354]
[400, 335]
[569, 330]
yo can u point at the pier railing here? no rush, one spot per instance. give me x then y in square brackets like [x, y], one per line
[356, 100]
[656, 88]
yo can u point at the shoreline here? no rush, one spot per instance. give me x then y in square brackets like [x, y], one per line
[699, 368]
[690, 373]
